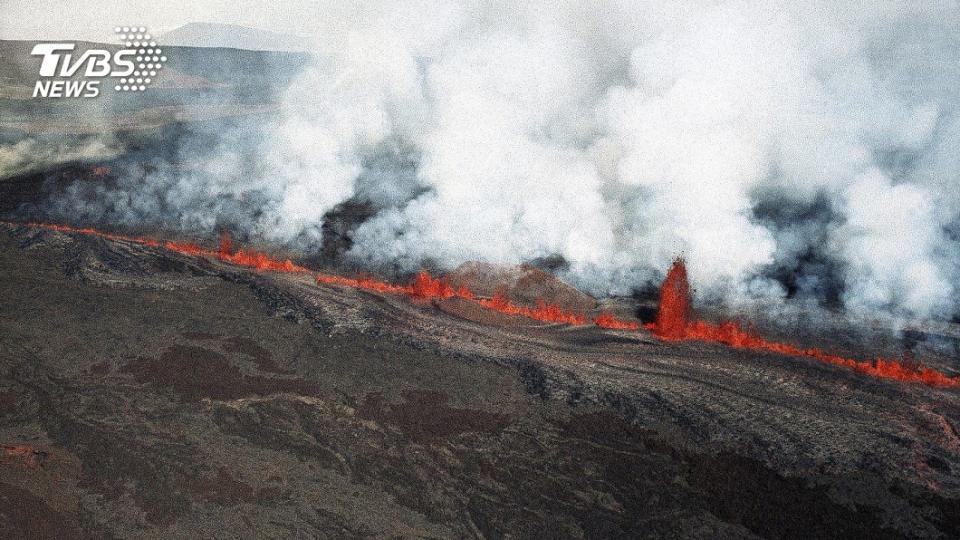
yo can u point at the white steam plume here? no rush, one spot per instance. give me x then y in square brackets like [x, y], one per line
[30, 154]
[819, 139]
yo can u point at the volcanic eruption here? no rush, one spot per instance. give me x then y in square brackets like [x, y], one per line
[675, 322]
[674, 317]
[302, 352]
[421, 278]
[675, 309]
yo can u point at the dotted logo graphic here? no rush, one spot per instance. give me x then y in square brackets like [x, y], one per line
[149, 58]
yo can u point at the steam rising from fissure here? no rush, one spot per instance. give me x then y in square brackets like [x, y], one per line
[806, 150]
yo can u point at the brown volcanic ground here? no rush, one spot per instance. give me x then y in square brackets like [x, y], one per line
[522, 284]
[148, 394]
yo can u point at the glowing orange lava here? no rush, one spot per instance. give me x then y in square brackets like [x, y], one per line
[606, 320]
[675, 322]
[364, 283]
[673, 317]
[248, 258]
[427, 286]
[424, 286]
[226, 243]
[544, 312]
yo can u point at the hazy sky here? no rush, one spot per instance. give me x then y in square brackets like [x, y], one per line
[94, 19]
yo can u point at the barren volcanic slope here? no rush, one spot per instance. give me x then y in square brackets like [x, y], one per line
[150, 393]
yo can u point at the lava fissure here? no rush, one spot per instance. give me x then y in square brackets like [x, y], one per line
[424, 286]
[674, 321]
[606, 320]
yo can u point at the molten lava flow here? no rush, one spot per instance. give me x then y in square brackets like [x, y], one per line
[423, 286]
[248, 258]
[93, 232]
[673, 317]
[606, 320]
[543, 312]
[186, 248]
[365, 283]
[252, 259]
[226, 244]
[426, 286]
[261, 261]
[674, 322]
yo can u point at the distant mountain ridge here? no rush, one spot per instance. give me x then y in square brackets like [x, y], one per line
[232, 36]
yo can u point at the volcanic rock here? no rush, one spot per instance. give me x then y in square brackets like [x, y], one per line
[265, 404]
[522, 284]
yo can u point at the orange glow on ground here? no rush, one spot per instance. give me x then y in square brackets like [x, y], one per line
[674, 320]
[606, 320]
[675, 323]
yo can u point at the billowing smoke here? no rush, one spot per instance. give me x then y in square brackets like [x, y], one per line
[809, 149]
[35, 153]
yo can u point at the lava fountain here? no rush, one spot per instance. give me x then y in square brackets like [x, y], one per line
[675, 322]
[673, 315]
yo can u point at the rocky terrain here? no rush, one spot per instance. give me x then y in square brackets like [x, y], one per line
[145, 393]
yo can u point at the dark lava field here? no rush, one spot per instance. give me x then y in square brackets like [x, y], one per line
[148, 394]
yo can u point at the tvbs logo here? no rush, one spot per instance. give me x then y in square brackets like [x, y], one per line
[66, 74]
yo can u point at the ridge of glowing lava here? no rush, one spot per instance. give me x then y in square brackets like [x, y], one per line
[607, 320]
[248, 258]
[423, 286]
[427, 286]
[675, 322]
[543, 312]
